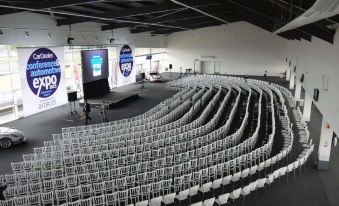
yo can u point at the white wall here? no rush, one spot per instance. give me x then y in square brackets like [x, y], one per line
[241, 48]
[313, 59]
[14, 27]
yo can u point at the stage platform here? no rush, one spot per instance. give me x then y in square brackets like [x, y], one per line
[113, 99]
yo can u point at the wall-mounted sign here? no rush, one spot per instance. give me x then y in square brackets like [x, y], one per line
[42, 77]
[127, 74]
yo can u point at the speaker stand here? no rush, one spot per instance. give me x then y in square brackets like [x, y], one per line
[73, 115]
[143, 88]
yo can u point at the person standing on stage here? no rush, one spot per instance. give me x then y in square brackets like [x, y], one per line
[103, 112]
[87, 110]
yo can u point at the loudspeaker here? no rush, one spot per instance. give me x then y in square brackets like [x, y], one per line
[295, 69]
[170, 66]
[143, 76]
[289, 63]
[316, 95]
[302, 78]
[72, 96]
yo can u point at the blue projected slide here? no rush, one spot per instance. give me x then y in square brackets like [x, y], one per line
[94, 65]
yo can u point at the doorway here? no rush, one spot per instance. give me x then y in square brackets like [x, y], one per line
[210, 67]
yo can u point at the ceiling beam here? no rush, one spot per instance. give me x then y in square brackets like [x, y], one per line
[47, 4]
[262, 10]
[256, 19]
[192, 7]
[86, 16]
[201, 25]
[189, 23]
[160, 8]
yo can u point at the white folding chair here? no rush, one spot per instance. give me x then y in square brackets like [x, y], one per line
[47, 198]
[20, 201]
[98, 200]
[61, 196]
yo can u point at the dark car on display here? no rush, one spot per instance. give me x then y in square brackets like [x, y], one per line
[10, 136]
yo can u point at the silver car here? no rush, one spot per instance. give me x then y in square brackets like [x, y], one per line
[10, 136]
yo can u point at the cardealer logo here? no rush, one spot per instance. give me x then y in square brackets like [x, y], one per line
[43, 72]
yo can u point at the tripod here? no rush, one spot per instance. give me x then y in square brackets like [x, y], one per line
[73, 115]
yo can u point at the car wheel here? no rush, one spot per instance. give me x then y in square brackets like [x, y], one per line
[5, 143]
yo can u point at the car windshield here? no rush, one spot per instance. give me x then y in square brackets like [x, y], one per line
[154, 73]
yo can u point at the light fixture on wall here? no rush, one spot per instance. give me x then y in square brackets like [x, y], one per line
[27, 35]
[49, 35]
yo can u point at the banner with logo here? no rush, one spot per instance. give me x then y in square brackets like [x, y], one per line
[126, 73]
[43, 81]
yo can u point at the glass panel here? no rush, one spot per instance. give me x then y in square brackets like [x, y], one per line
[7, 114]
[6, 83]
[16, 82]
[4, 65]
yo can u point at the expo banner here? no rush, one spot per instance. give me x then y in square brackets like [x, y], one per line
[126, 73]
[43, 81]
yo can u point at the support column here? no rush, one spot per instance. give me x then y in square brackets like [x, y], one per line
[307, 107]
[325, 145]
[288, 74]
[297, 92]
[292, 80]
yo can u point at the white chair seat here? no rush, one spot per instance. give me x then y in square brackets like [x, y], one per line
[253, 169]
[193, 190]
[235, 194]
[244, 173]
[222, 199]
[261, 183]
[226, 180]
[205, 187]
[216, 183]
[168, 199]
[142, 203]
[209, 202]
[156, 201]
[182, 195]
[254, 185]
[246, 190]
[197, 204]
[282, 171]
[236, 176]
